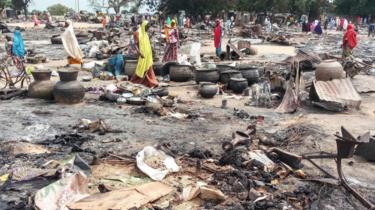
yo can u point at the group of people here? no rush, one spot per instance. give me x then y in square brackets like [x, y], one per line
[46, 17]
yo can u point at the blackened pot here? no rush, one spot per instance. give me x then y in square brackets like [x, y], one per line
[181, 73]
[68, 90]
[226, 75]
[238, 85]
[208, 89]
[251, 73]
[42, 87]
[207, 75]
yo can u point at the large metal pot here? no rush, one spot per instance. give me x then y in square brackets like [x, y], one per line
[226, 75]
[208, 89]
[224, 67]
[249, 72]
[207, 75]
[158, 69]
[181, 73]
[329, 70]
[68, 90]
[130, 67]
[238, 85]
[42, 87]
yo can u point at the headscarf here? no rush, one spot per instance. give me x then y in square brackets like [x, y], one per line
[350, 37]
[145, 63]
[169, 21]
[18, 48]
[70, 42]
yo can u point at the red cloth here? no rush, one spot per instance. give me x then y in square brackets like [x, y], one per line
[342, 20]
[350, 37]
[217, 35]
[149, 80]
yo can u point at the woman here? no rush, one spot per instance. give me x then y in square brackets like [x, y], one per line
[104, 21]
[18, 48]
[71, 46]
[8, 45]
[349, 41]
[144, 74]
[172, 43]
[318, 29]
[36, 21]
[217, 37]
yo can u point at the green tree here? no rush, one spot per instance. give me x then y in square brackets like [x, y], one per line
[358, 7]
[58, 9]
[108, 4]
[21, 5]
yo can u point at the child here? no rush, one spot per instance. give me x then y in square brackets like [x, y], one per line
[8, 45]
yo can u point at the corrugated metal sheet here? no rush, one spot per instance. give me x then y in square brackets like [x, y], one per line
[339, 91]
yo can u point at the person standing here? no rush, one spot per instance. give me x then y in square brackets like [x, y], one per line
[18, 47]
[8, 45]
[268, 24]
[171, 49]
[104, 21]
[218, 37]
[349, 41]
[371, 29]
[318, 28]
[71, 46]
[144, 73]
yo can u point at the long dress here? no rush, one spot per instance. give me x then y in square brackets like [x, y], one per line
[172, 46]
[144, 73]
[349, 41]
[71, 46]
[217, 39]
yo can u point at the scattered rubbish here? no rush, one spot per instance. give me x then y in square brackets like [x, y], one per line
[155, 163]
[98, 126]
[17, 148]
[335, 94]
[60, 194]
[129, 198]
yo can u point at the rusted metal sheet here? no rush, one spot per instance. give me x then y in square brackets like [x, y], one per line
[339, 91]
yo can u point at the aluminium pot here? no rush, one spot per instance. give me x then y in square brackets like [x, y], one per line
[226, 75]
[208, 89]
[238, 85]
[68, 90]
[42, 87]
[181, 73]
[130, 67]
[249, 72]
[329, 70]
[207, 75]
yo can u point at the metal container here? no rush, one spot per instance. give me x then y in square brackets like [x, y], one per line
[208, 89]
[181, 73]
[42, 87]
[68, 90]
[130, 67]
[329, 70]
[207, 75]
[238, 85]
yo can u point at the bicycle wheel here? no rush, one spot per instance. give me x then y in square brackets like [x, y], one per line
[25, 79]
[4, 81]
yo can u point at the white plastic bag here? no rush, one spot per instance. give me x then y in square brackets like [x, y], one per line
[155, 174]
[195, 54]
